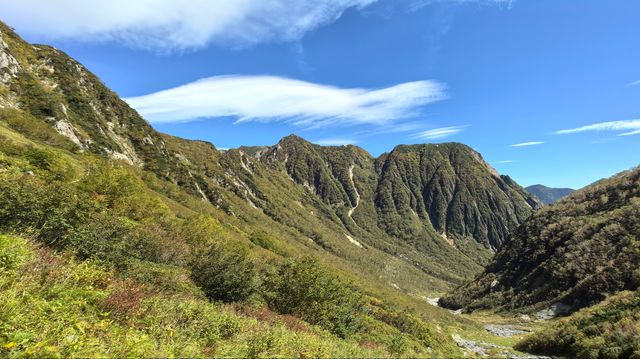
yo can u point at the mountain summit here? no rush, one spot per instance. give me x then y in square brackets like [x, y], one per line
[415, 191]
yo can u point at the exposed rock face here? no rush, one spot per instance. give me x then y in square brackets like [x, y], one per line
[9, 66]
[66, 129]
[554, 310]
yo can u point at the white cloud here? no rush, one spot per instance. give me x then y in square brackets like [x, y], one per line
[270, 98]
[418, 4]
[439, 133]
[171, 24]
[634, 83]
[632, 126]
[503, 162]
[523, 144]
[335, 142]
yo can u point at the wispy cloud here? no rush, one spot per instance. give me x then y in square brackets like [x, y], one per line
[270, 98]
[174, 25]
[634, 83]
[438, 133]
[418, 4]
[524, 144]
[629, 127]
[503, 162]
[335, 142]
[394, 127]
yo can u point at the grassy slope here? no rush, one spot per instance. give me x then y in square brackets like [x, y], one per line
[148, 200]
[52, 305]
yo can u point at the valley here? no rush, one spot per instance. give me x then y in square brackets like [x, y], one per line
[117, 240]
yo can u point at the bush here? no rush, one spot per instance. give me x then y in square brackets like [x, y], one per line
[224, 271]
[304, 288]
[610, 329]
[51, 209]
[266, 241]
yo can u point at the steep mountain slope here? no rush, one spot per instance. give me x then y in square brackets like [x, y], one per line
[450, 187]
[437, 208]
[119, 241]
[415, 193]
[571, 254]
[548, 195]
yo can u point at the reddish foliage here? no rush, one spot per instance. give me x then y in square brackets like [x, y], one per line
[371, 345]
[266, 315]
[125, 299]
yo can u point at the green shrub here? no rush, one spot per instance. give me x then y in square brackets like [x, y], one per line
[303, 288]
[266, 241]
[28, 203]
[103, 237]
[224, 271]
[610, 329]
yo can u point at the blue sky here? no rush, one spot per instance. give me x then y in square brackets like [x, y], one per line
[547, 90]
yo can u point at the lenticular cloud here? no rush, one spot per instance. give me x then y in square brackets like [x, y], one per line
[269, 98]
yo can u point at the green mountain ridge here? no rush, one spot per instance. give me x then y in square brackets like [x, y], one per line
[576, 252]
[548, 195]
[446, 190]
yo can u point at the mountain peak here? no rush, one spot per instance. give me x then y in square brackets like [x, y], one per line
[293, 138]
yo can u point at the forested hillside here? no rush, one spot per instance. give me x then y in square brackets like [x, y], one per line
[573, 254]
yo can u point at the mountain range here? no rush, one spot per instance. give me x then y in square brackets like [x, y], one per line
[444, 202]
[154, 245]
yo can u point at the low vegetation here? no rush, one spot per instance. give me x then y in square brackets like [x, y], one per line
[53, 305]
[608, 330]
